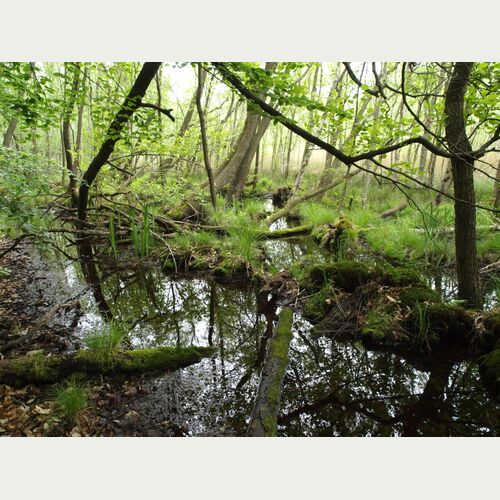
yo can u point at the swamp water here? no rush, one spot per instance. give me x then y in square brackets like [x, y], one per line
[331, 388]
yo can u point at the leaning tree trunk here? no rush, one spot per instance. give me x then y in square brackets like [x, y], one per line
[129, 106]
[9, 133]
[241, 175]
[203, 130]
[233, 175]
[463, 182]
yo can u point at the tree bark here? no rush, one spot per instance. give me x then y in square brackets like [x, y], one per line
[263, 421]
[49, 369]
[129, 106]
[463, 181]
[233, 175]
[206, 156]
[9, 133]
[496, 188]
[69, 105]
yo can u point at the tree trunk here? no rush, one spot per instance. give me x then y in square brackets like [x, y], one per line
[129, 106]
[308, 148]
[445, 183]
[69, 104]
[206, 156]
[49, 369]
[232, 176]
[463, 182]
[496, 188]
[9, 133]
[263, 421]
[186, 122]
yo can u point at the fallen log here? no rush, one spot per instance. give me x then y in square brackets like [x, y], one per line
[290, 232]
[394, 210]
[263, 421]
[40, 369]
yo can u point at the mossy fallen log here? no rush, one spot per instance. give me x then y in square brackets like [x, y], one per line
[263, 421]
[42, 369]
[290, 232]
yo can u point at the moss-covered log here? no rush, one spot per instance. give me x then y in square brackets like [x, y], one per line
[263, 421]
[290, 232]
[42, 369]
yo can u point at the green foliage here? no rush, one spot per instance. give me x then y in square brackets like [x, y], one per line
[24, 185]
[142, 239]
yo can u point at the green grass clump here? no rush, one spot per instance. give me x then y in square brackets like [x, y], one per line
[253, 207]
[488, 243]
[317, 214]
[104, 344]
[71, 397]
[396, 241]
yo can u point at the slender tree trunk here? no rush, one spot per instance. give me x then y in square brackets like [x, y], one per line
[9, 133]
[66, 131]
[186, 122]
[496, 188]
[366, 189]
[446, 181]
[256, 170]
[463, 182]
[344, 189]
[129, 106]
[204, 144]
[308, 148]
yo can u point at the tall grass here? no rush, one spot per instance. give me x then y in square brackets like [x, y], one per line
[317, 214]
[141, 234]
[71, 397]
[105, 343]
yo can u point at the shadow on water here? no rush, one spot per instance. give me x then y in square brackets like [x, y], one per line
[331, 388]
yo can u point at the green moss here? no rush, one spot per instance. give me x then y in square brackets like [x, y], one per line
[401, 276]
[492, 325]
[448, 322]
[269, 424]
[378, 325]
[346, 274]
[144, 360]
[409, 296]
[43, 369]
[37, 367]
[282, 336]
[315, 306]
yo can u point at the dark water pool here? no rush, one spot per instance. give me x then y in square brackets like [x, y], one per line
[331, 388]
